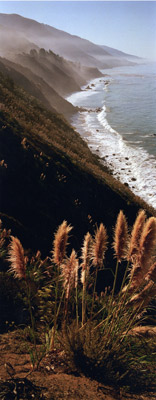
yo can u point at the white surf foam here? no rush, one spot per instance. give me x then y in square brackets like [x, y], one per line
[130, 164]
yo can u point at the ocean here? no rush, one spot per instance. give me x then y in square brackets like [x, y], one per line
[118, 121]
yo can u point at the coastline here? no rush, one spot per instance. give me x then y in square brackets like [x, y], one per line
[122, 159]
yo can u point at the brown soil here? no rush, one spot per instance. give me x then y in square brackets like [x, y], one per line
[54, 377]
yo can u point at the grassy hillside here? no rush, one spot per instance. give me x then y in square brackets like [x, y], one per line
[63, 75]
[36, 87]
[48, 77]
[56, 71]
[47, 174]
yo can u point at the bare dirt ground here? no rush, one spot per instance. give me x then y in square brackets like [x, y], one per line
[54, 379]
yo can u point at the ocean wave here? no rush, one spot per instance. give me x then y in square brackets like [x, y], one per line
[132, 165]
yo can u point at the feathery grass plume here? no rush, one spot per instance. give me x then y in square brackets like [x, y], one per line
[143, 298]
[60, 243]
[69, 273]
[148, 241]
[135, 235]
[99, 246]
[120, 236]
[17, 258]
[143, 331]
[151, 275]
[86, 256]
[147, 246]
[86, 250]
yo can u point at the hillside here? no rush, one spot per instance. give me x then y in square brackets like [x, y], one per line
[44, 36]
[36, 87]
[64, 76]
[48, 77]
[118, 53]
[25, 57]
[48, 174]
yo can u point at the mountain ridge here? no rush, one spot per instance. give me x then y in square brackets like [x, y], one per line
[70, 46]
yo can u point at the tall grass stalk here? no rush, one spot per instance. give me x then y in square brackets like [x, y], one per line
[59, 253]
[77, 309]
[99, 248]
[18, 267]
[86, 257]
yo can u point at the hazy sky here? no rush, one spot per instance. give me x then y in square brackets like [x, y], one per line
[129, 26]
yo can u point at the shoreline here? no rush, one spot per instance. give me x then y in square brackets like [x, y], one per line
[124, 161]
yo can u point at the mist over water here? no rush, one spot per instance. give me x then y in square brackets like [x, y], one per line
[119, 124]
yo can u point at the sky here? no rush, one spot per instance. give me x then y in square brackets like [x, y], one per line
[129, 26]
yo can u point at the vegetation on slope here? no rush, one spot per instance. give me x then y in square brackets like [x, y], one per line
[63, 75]
[48, 77]
[101, 333]
[48, 173]
[36, 87]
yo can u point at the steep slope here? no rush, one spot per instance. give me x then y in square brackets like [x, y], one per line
[62, 75]
[48, 174]
[48, 77]
[71, 47]
[37, 87]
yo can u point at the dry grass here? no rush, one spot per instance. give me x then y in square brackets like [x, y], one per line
[99, 246]
[120, 237]
[60, 243]
[17, 258]
[97, 328]
[135, 235]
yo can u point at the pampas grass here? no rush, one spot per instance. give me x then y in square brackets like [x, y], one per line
[143, 298]
[151, 275]
[120, 237]
[104, 335]
[86, 252]
[100, 325]
[60, 243]
[138, 226]
[18, 267]
[59, 253]
[146, 248]
[99, 246]
[143, 331]
[85, 267]
[17, 258]
[69, 273]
